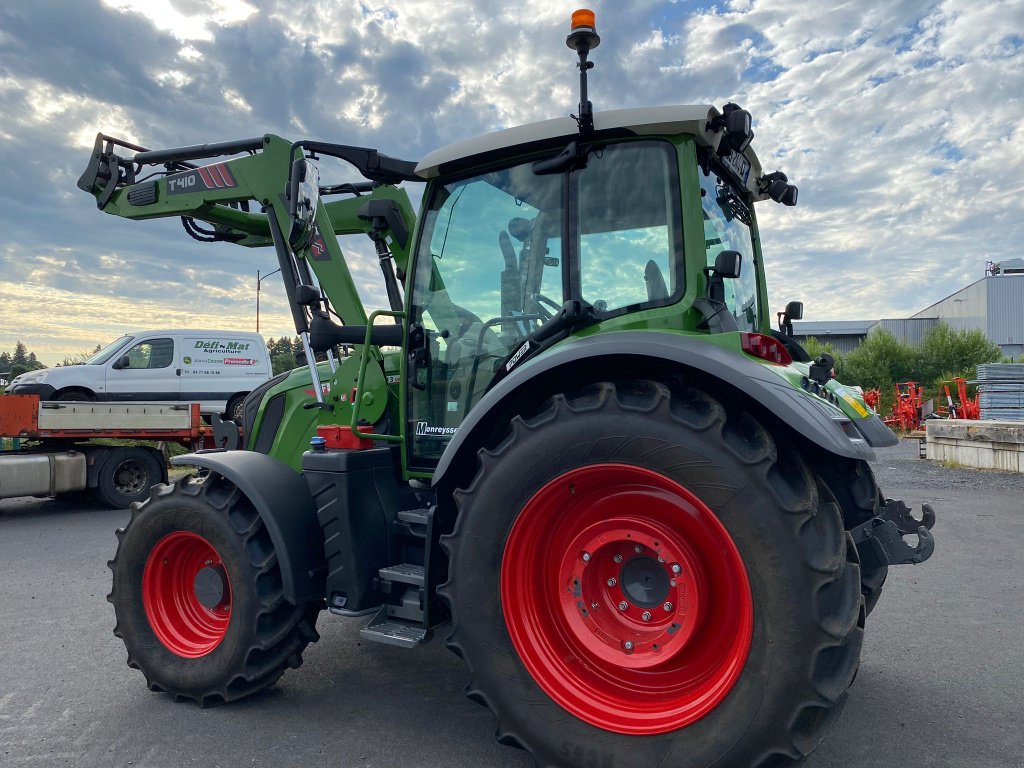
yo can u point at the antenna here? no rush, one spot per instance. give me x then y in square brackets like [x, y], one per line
[582, 37]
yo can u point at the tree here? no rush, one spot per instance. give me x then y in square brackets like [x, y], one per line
[79, 357]
[880, 361]
[947, 350]
[20, 356]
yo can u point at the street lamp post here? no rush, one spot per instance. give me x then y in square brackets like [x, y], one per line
[259, 281]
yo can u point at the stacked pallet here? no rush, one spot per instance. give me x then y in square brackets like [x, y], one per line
[1002, 391]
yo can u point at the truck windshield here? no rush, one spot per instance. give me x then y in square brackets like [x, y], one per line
[727, 225]
[109, 351]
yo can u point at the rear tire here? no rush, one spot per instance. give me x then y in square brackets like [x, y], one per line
[198, 595]
[621, 463]
[126, 476]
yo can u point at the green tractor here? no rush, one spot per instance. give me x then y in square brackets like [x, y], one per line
[574, 437]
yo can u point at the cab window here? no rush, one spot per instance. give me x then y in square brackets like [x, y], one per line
[153, 353]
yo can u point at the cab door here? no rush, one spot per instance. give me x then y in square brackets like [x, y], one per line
[146, 371]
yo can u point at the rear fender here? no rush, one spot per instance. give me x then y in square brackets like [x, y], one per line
[282, 499]
[650, 354]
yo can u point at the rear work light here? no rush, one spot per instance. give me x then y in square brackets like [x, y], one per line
[766, 348]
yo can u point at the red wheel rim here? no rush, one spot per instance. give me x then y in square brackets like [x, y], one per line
[626, 599]
[181, 620]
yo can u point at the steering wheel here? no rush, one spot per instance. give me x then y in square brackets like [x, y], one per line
[539, 299]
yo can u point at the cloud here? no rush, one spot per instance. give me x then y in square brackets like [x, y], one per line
[901, 122]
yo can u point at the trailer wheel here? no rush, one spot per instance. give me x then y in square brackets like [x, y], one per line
[198, 596]
[639, 577]
[127, 475]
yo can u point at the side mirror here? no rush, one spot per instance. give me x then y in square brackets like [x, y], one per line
[795, 310]
[303, 196]
[728, 264]
[121, 362]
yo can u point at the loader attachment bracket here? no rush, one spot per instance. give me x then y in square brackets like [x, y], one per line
[107, 169]
[880, 540]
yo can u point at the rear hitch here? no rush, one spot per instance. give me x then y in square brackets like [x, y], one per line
[880, 540]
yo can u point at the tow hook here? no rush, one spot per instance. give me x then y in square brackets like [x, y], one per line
[880, 540]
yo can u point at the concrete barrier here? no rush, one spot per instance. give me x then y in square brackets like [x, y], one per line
[982, 444]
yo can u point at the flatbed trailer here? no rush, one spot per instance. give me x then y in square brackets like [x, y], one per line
[55, 450]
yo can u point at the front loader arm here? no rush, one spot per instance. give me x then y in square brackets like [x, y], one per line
[147, 184]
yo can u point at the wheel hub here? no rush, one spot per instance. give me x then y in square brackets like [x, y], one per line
[645, 582]
[631, 602]
[211, 586]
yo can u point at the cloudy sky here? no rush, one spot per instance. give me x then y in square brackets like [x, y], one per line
[902, 121]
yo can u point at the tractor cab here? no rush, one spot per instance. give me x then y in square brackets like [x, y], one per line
[518, 247]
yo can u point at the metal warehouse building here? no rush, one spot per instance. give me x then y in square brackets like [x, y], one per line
[994, 305]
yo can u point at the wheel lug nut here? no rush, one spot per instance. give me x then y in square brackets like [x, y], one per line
[667, 606]
[672, 583]
[628, 646]
[638, 549]
[612, 582]
[593, 606]
[623, 605]
[677, 568]
[586, 557]
[617, 558]
[647, 616]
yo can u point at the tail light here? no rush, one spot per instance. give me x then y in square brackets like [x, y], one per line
[766, 348]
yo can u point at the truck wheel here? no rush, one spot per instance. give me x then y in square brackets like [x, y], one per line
[234, 409]
[75, 395]
[853, 484]
[641, 578]
[198, 598]
[126, 476]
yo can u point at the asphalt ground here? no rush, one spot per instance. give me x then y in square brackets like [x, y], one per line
[940, 683]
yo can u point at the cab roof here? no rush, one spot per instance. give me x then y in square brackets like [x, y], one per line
[643, 121]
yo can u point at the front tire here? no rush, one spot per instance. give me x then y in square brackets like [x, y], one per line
[565, 551]
[198, 596]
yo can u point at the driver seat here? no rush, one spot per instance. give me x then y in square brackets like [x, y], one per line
[655, 280]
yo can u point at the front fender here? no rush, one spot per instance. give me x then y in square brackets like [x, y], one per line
[282, 499]
[632, 353]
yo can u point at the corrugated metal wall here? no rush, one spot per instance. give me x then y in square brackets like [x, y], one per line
[965, 309]
[1006, 309]
[911, 330]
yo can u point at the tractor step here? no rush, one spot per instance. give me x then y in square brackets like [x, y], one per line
[403, 574]
[391, 630]
[414, 516]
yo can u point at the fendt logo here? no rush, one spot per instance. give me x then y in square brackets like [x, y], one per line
[216, 176]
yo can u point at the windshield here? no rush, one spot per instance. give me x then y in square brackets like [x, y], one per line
[109, 351]
[727, 222]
